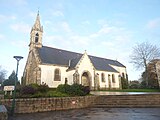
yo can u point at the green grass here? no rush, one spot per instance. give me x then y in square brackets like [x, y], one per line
[1, 92]
[135, 90]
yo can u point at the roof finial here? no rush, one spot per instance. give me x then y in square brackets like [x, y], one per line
[38, 11]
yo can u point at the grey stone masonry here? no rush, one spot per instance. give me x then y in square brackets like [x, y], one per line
[3, 113]
[118, 101]
[1, 96]
[32, 105]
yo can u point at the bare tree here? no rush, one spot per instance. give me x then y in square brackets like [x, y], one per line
[142, 54]
[2, 74]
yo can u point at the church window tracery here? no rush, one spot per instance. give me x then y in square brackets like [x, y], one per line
[57, 75]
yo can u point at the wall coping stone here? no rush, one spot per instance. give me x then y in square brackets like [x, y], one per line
[26, 105]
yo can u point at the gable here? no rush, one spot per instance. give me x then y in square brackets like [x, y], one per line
[55, 56]
[85, 62]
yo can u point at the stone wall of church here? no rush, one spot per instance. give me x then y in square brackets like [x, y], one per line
[85, 65]
[47, 75]
[32, 72]
[108, 80]
[121, 70]
[70, 76]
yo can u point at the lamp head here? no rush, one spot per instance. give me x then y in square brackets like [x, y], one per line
[18, 58]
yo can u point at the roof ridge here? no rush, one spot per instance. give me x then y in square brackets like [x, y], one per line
[62, 50]
[115, 62]
[102, 58]
[78, 53]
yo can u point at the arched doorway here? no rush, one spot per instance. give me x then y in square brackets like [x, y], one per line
[86, 79]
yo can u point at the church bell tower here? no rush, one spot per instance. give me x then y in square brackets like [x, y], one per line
[36, 34]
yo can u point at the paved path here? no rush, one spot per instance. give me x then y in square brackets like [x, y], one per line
[120, 93]
[94, 114]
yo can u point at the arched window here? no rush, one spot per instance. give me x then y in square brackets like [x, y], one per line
[103, 77]
[123, 75]
[57, 75]
[109, 77]
[113, 78]
[36, 37]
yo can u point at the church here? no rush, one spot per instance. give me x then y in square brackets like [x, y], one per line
[53, 66]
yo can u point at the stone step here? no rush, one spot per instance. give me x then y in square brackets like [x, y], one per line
[125, 106]
[128, 101]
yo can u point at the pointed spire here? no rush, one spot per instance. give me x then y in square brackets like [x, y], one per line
[37, 24]
[36, 34]
[38, 18]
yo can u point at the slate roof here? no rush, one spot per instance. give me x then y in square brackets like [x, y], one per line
[55, 56]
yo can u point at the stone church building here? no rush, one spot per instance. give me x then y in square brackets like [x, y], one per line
[54, 66]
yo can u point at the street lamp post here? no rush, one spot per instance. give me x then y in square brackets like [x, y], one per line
[18, 58]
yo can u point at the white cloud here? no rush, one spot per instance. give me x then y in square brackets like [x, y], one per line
[58, 13]
[80, 40]
[4, 18]
[113, 33]
[152, 24]
[20, 43]
[21, 27]
[61, 27]
[86, 22]
[106, 29]
[53, 37]
[47, 22]
[18, 2]
[2, 37]
[65, 26]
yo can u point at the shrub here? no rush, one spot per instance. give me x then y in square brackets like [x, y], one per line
[86, 90]
[56, 94]
[28, 89]
[124, 83]
[35, 86]
[43, 88]
[38, 94]
[64, 88]
[74, 89]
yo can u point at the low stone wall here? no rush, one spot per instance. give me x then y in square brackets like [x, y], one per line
[140, 100]
[1, 96]
[32, 105]
[3, 113]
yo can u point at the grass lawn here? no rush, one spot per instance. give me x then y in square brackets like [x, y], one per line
[135, 90]
[1, 92]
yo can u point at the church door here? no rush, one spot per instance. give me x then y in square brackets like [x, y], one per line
[86, 79]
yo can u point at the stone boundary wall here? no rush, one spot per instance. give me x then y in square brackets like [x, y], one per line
[139, 100]
[32, 105]
[1, 96]
[3, 113]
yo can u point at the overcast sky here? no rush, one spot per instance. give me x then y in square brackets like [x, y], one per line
[105, 28]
